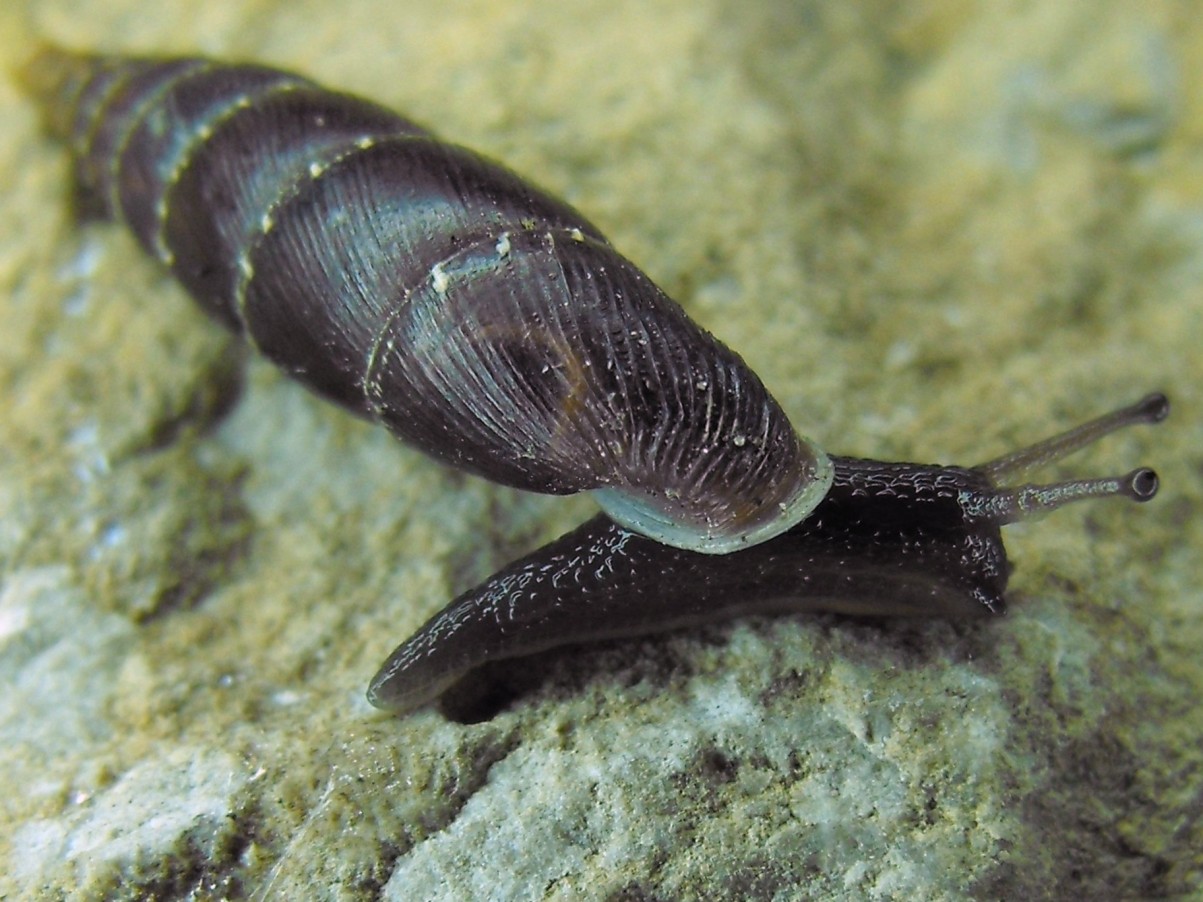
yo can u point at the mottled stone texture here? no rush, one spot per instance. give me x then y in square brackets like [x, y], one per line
[935, 228]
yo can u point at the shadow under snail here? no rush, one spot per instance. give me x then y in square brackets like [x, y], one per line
[421, 285]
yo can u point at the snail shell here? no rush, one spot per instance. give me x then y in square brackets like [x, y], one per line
[419, 284]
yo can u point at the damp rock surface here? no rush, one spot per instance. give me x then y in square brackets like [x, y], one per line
[937, 231]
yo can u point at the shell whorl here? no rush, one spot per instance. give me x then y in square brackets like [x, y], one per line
[420, 284]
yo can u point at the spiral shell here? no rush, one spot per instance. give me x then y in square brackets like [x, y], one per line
[419, 284]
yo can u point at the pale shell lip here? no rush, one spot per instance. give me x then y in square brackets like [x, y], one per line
[639, 513]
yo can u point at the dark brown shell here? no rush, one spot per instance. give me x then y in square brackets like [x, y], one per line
[417, 283]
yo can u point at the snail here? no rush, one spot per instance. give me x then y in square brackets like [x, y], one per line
[418, 284]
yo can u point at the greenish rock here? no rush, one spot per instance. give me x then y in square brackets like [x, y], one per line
[937, 230]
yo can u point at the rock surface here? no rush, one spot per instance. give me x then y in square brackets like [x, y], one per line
[937, 230]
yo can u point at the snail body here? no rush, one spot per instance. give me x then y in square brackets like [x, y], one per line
[421, 285]
[418, 284]
[888, 540]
